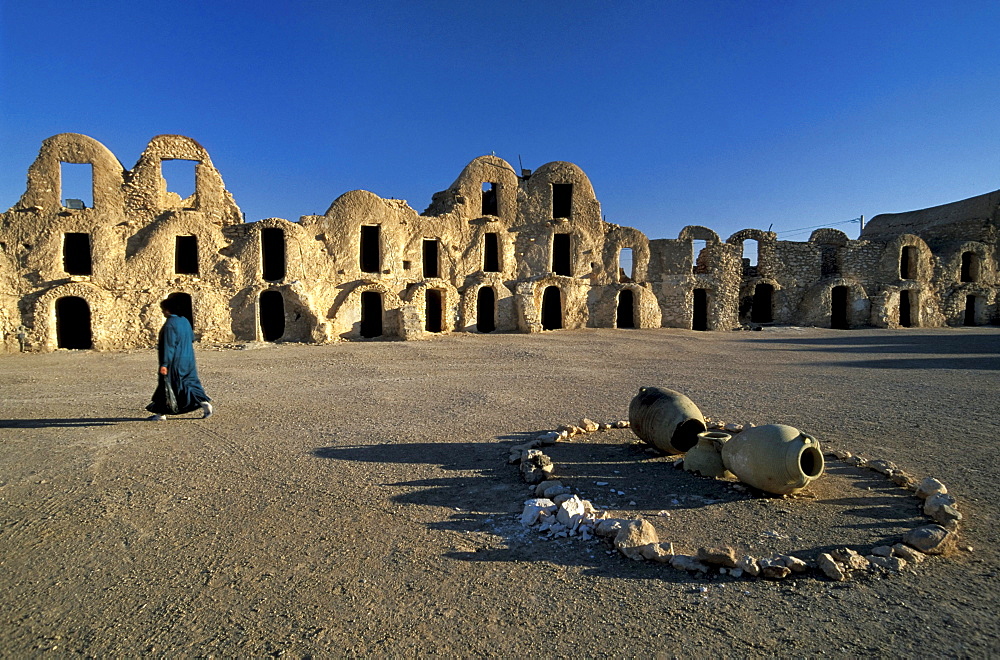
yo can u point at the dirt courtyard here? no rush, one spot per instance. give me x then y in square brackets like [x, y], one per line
[354, 499]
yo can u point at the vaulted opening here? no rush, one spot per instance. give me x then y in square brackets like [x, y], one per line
[491, 252]
[371, 252]
[180, 175]
[434, 310]
[908, 263]
[486, 306]
[186, 255]
[626, 269]
[970, 267]
[763, 304]
[371, 314]
[184, 306]
[272, 315]
[561, 262]
[552, 308]
[562, 200]
[272, 253]
[431, 258]
[829, 260]
[489, 198]
[697, 247]
[839, 318]
[906, 309]
[76, 185]
[699, 316]
[625, 316]
[76, 254]
[970, 310]
[751, 246]
[73, 329]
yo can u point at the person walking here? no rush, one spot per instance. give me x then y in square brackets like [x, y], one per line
[179, 390]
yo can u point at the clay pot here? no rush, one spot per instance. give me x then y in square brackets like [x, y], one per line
[705, 457]
[666, 419]
[775, 458]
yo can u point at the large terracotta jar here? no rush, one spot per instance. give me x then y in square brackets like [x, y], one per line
[775, 458]
[705, 458]
[666, 419]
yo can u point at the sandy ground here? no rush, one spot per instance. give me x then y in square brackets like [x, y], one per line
[354, 499]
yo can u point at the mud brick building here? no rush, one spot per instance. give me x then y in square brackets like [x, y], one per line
[495, 252]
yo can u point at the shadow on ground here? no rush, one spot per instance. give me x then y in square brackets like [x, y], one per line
[628, 479]
[69, 422]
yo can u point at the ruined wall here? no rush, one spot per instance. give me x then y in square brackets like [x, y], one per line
[494, 252]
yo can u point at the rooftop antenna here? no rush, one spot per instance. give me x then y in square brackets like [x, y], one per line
[524, 173]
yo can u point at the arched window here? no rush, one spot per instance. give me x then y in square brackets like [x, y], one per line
[970, 267]
[272, 253]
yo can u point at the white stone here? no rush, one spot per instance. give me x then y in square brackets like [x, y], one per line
[533, 508]
[930, 486]
[829, 567]
[632, 536]
[570, 511]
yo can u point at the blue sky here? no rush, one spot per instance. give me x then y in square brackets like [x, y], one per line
[725, 114]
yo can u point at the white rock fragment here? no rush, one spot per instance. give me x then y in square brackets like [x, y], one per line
[661, 552]
[632, 536]
[794, 564]
[882, 551]
[533, 508]
[749, 565]
[588, 425]
[570, 511]
[931, 539]
[609, 527]
[909, 554]
[548, 483]
[930, 486]
[688, 563]
[829, 567]
[552, 491]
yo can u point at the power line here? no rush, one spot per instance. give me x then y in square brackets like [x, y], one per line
[829, 224]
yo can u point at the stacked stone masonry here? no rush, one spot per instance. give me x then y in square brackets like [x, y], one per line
[495, 252]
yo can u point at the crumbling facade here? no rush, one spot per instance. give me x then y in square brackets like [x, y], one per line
[495, 252]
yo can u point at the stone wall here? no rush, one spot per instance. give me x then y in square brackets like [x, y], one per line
[495, 252]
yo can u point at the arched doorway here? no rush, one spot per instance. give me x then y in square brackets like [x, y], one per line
[371, 314]
[433, 310]
[73, 324]
[184, 307]
[838, 308]
[552, 308]
[486, 305]
[699, 316]
[625, 317]
[970, 310]
[906, 309]
[763, 304]
[272, 315]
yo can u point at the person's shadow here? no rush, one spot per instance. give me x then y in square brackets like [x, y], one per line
[65, 423]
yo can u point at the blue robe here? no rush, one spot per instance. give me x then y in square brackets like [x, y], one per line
[176, 352]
